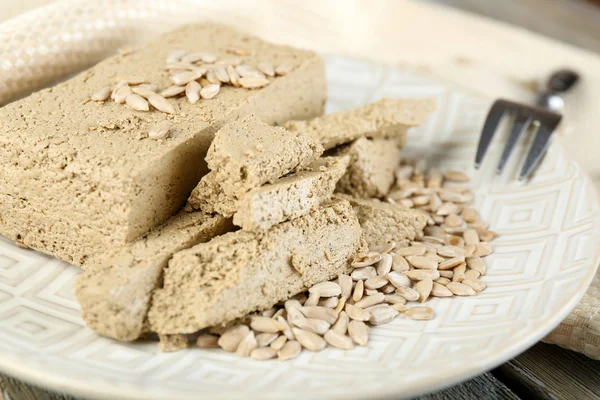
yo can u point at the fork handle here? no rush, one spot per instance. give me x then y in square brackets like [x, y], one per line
[561, 81]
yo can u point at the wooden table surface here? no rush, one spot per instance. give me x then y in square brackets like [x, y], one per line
[544, 371]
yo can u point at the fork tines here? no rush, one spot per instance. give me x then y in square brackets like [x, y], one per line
[524, 116]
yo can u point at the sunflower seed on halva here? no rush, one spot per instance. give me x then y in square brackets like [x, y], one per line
[210, 91]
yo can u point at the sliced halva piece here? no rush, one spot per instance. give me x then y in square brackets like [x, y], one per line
[384, 223]
[115, 293]
[371, 169]
[235, 274]
[290, 197]
[386, 118]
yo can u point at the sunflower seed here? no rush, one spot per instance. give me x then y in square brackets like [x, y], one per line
[283, 69]
[313, 300]
[253, 82]
[328, 302]
[221, 74]
[317, 326]
[359, 332]
[359, 290]
[388, 289]
[142, 91]
[446, 274]
[456, 176]
[290, 349]
[424, 289]
[266, 68]
[363, 273]
[292, 304]
[211, 76]
[192, 57]
[206, 341]
[210, 91]
[453, 197]
[175, 55]
[161, 104]
[278, 343]
[247, 71]
[399, 263]
[265, 353]
[308, 340]
[434, 178]
[457, 241]
[345, 282]
[182, 78]
[172, 91]
[446, 209]
[122, 93]
[420, 313]
[476, 284]
[326, 314]
[338, 340]
[326, 289]
[471, 236]
[371, 292]
[469, 215]
[264, 324]
[472, 274]
[160, 130]
[486, 235]
[234, 77]
[408, 293]
[180, 66]
[434, 240]
[398, 280]
[101, 94]
[369, 301]
[192, 91]
[460, 289]
[469, 250]
[376, 282]
[385, 265]
[265, 339]
[420, 274]
[231, 338]
[247, 345]
[137, 102]
[451, 251]
[395, 299]
[366, 260]
[341, 325]
[357, 313]
[422, 262]
[288, 329]
[411, 251]
[482, 249]
[451, 263]
[453, 221]
[459, 273]
[439, 290]
[382, 314]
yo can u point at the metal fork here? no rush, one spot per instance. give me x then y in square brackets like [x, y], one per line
[546, 115]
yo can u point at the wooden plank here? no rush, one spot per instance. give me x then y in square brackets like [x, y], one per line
[549, 372]
[483, 387]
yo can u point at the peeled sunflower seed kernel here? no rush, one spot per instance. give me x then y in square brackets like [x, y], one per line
[359, 332]
[313, 300]
[278, 343]
[469, 215]
[160, 130]
[422, 262]
[475, 284]
[265, 339]
[338, 340]
[161, 104]
[101, 94]
[253, 82]
[264, 353]
[317, 326]
[207, 341]
[398, 279]
[483, 249]
[472, 274]
[439, 290]
[385, 265]
[231, 338]
[210, 91]
[411, 251]
[122, 93]
[308, 340]
[451, 263]
[283, 69]
[328, 302]
[345, 282]
[326, 314]
[192, 91]
[142, 91]
[395, 299]
[369, 301]
[137, 102]
[382, 314]
[326, 289]
[265, 324]
[446, 274]
[388, 289]
[399, 263]
[288, 329]
[420, 274]
[408, 293]
[366, 260]
[341, 325]
[459, 272]
[357, 313]
[424, 288]
[290, 349]
[420, 313]
[363, 273]
[172, 91]
[359, 290]
[376, 282]
[456, 176]
[460, 289]
[266, 68]
[247, 345]
[471, 236]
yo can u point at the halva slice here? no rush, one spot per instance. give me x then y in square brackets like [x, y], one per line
[383, 222]
[248, 153]
[241, 272]
[209, 198]
[371, 169]
[114, 293]
[290, 197]
[79, 177]
[386, 118]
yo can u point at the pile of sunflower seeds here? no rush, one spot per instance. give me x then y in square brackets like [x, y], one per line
[389, 282]
[197, 75]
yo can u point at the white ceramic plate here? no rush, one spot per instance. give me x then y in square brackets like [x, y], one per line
[543, 262]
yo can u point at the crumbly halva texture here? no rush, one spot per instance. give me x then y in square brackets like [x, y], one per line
[371, 169]
[383, 222]
[241, 272]
[79, 177]
[248, 153]
[114, 293]
[386, 118]
[290, 197]
[208, 197]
